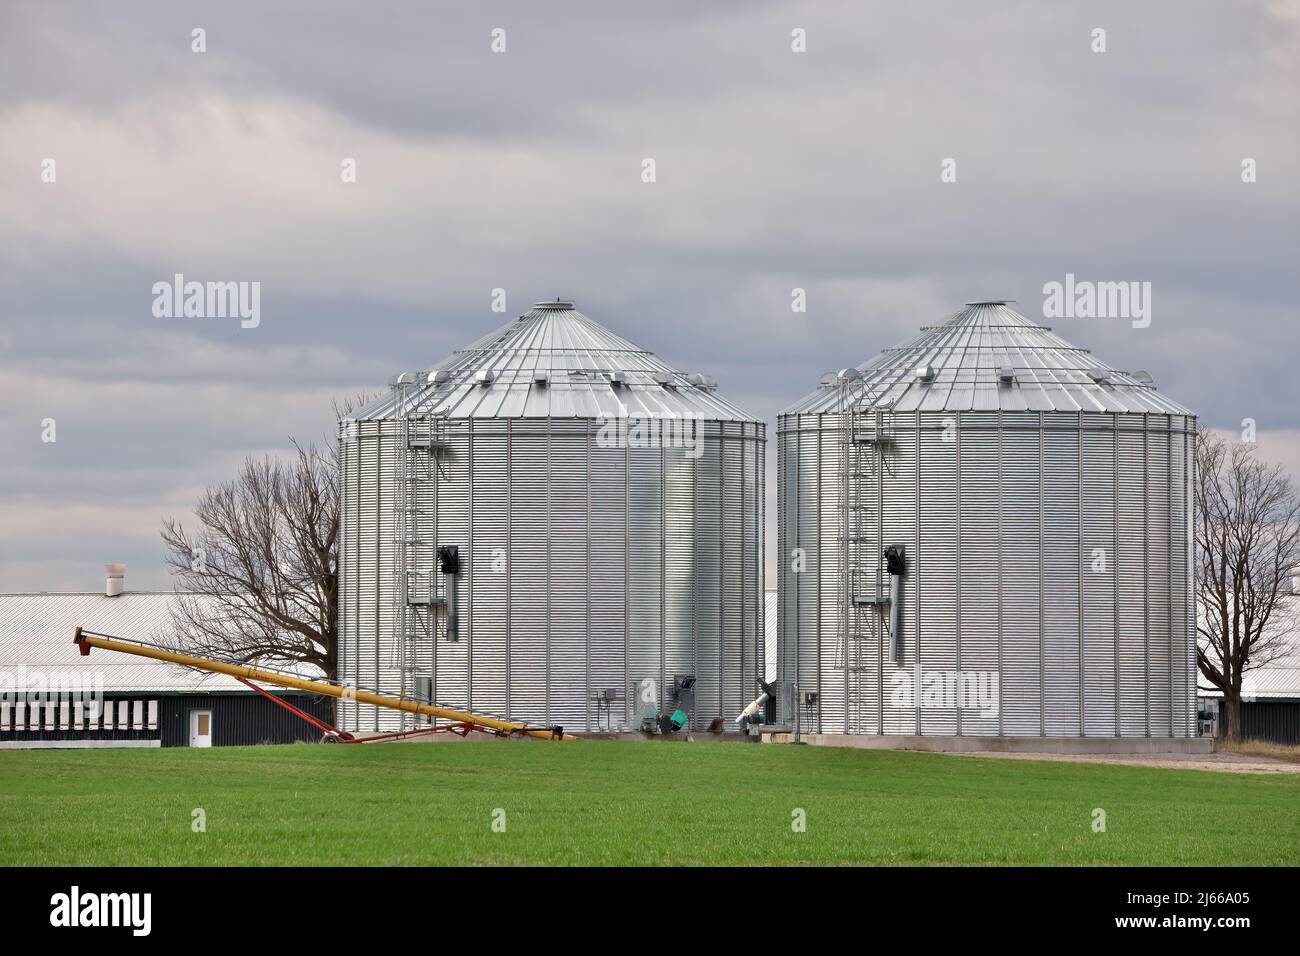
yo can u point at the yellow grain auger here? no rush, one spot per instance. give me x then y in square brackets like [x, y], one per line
[460, 722]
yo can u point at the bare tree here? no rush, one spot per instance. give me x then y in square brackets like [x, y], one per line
[1247, 548]
[260, 574]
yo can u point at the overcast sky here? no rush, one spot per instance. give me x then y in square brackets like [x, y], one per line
[522, 170]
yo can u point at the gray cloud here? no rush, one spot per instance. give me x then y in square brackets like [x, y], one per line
[521, 171]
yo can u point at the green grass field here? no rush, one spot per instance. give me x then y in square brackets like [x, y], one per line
[625, 803]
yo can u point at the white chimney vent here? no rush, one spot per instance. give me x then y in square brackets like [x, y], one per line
[115, 579]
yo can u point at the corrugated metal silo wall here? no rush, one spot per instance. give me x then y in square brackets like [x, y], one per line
[1052, 549]
[587, 567]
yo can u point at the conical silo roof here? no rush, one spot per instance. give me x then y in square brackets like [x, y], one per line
[555, 362]
[986, 357]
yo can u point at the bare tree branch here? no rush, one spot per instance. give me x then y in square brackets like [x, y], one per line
[1247, 531]
[260, 573]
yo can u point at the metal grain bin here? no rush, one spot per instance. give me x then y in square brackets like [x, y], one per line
[1035, 504]
[606, 515]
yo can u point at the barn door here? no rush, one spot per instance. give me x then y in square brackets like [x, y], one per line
[200, 728]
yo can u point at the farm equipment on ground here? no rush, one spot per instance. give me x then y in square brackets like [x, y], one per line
[460, 722]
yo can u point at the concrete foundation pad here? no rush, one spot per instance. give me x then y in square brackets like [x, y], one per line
[1043, 745]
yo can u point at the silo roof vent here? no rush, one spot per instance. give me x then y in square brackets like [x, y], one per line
[559, 305]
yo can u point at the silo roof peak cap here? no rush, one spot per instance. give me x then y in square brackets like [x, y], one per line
[991, 302]
[561, 305]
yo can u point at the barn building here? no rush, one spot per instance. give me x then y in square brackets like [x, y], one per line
[1270, 691]
[52, 697]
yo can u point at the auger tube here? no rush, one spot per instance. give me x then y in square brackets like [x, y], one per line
[85, 640]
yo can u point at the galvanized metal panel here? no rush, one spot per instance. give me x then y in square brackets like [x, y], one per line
[900, 525]
[1049, 543]
[816, 656]
[442, 514]
[567, 524]
[485, 623]
[936, 555]
[1160, 645]
[529, 559]
[787, 541]
[611, 544]
[1022, 625]
[1099, 582]
[833, 670]
[679, 572]
[619, 563]
[735, 586]
[580, 357]
[709, 547]
[978, 573]
[1062, 620]
[966, 352]
[1006, 527]
[1130, 564]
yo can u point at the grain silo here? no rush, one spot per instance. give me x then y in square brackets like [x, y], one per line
[987, 531]
[539, 523]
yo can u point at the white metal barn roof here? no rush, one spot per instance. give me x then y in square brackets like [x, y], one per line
[36, 632]
[1279, 678]
[987, 357]
[554, 362]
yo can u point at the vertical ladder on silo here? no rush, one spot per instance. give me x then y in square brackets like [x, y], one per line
[866, 430]
[422, 442]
